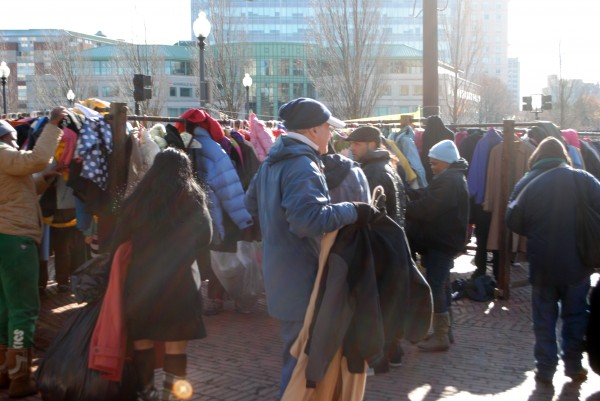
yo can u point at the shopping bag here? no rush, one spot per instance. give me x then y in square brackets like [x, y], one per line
[63, 374]
[89, 281]
[240, 272]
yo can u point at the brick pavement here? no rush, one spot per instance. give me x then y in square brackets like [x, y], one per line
[491, 359]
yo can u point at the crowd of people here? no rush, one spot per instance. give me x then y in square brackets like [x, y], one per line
[203, 185]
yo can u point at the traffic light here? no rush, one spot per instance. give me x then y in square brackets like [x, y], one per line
[546, 102]
[527, 103]
[142, 87]
[138, 87]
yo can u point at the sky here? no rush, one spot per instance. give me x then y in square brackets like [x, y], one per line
[559, 37]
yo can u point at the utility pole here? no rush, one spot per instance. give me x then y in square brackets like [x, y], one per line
[430, 59]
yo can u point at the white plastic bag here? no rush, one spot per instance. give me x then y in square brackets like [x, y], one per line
[240, 273]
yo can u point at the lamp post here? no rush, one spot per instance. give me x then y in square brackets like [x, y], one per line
[201, 29]
[247, 82]
[4, 74]
[70, 97]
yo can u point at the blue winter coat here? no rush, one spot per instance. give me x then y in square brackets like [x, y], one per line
[225, 191]
[290, 197]
[549, 222]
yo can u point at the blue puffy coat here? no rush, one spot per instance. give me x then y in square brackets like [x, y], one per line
[225, 190]
[290, 197]
[549, 222]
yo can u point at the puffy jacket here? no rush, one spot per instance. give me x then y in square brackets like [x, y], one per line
[261, 137]
[225, 191]
[345, 180]
[290, 197]
[379, 171]
[442, 209]
[549, 221]
[19, 207]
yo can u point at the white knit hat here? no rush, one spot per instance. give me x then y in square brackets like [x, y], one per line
[445, 151]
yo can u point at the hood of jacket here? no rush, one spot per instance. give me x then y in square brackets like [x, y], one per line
[285, 148]
[461, 165]
[337, 168]
[375, 156]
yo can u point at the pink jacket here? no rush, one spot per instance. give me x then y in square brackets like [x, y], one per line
[260, 137]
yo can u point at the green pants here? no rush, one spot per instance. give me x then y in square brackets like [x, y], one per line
[19, 297]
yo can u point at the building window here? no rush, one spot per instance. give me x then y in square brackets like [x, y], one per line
[185, 92]
[310, 90]
[178, 68]
[102, 68]
[173, 91]
[298, 68]
[283, 91]
[417, 90]
[284, 67]
[404, 90]
[107, 91]
[266, 67]
[297, 90]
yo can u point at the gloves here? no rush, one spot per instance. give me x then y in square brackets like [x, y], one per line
[367, 213]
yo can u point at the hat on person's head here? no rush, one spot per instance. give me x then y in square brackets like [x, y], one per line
[365, 134]
[6, 128]
[445, 151]
[303, 113]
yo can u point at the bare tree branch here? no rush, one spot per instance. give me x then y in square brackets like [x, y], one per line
[228, 60]
[464, 40]
[345, 55]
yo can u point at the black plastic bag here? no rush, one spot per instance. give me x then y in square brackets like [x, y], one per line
[63, 374]
[90, 280]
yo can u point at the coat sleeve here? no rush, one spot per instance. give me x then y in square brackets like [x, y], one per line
[20, 163]
[227, 187]
[306, 203]
[436, 199]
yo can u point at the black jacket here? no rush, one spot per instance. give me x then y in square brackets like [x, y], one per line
[549, 220]
[442, 210]
[370, 290]
[378, 170]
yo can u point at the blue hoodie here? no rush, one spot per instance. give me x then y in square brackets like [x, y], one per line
[290, 197]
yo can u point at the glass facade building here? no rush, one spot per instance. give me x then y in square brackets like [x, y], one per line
[276, 33]
[275, 28]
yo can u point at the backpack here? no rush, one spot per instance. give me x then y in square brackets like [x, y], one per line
[481, 289]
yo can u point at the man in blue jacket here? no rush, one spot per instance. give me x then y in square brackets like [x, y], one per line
[290, 197]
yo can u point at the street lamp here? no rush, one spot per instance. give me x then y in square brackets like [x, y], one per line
[247, 82]
[201, 29]
[70, 97]
[4, 74]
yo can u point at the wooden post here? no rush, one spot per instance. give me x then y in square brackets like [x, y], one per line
[507, 178]
[118, 166]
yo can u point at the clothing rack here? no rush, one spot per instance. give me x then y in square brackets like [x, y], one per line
[118, 118]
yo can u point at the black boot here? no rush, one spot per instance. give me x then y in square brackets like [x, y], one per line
[143, 360]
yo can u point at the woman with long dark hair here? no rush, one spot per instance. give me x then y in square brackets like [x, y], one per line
[167, 221]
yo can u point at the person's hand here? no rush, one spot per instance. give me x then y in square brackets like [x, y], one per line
[366, 213]
[57, 115]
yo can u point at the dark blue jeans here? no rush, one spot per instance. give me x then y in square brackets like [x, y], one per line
[571, 302]
[288, 331]
[437, 272]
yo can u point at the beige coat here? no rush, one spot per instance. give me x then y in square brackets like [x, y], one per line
[493, 192]
[338, 384]
[19, 207]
